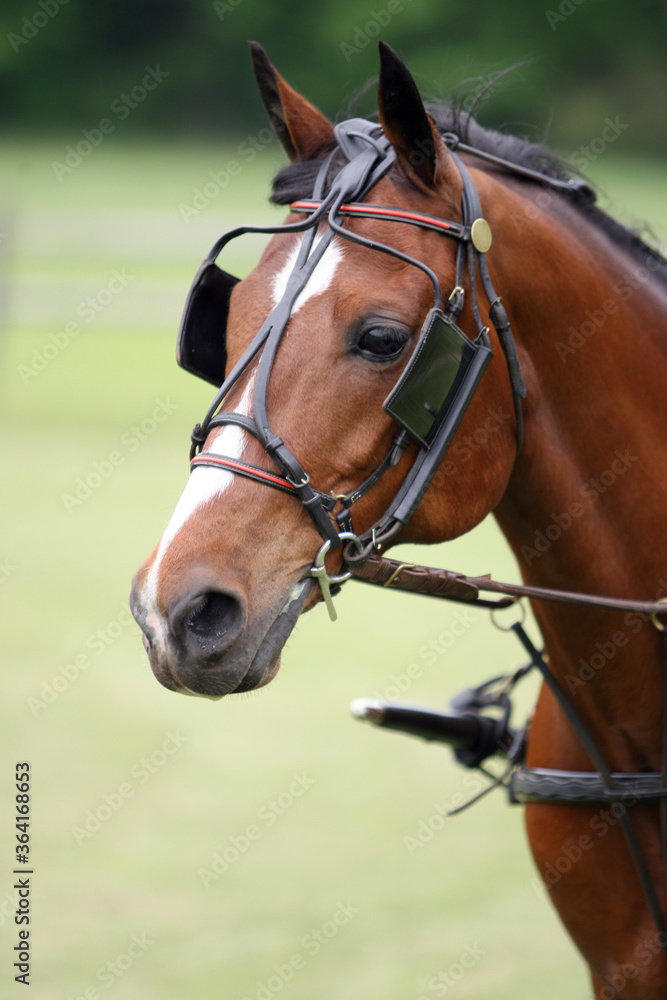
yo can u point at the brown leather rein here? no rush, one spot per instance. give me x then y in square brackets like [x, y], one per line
[451, 586]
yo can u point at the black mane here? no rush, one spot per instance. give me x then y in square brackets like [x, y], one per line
[296, 180]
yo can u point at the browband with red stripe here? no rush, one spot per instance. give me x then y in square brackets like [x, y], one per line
[387, 214]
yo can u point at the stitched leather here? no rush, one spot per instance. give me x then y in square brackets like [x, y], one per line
[453, 586]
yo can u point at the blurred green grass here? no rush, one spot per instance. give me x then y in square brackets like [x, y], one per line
[344, 838]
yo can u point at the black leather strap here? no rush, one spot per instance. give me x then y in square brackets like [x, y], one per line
[541, 784]
[497, 312]
[384, 213]
[264, 476]
[572, 185]
[226, 417]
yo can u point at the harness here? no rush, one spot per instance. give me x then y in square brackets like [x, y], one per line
[435, 389]
[428, 403]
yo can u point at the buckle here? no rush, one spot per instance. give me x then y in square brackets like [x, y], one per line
[319, 571]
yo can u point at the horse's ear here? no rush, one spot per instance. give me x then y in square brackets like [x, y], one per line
[302, 129]
[420, 149]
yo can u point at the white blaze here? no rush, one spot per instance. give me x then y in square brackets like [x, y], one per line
[205, 483]
[319, 280]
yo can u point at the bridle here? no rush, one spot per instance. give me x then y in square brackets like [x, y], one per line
[428, 403]
[435, 389]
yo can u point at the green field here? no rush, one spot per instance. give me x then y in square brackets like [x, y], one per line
[125, 910]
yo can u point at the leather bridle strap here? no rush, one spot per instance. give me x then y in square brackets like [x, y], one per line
[362, 171]
[497, 312]
[363, 210]
[267, 478]
[575, 186]
[249, 471]
[452, 586]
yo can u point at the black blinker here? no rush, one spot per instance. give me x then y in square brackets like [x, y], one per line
[438, 379]
[202, 337]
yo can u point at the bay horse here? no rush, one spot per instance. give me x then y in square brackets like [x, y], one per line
[579, 490]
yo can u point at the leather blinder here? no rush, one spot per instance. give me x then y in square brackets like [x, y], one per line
[201, 345]
[435, 378]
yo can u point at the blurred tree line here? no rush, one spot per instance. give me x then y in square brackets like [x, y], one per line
[64, 62]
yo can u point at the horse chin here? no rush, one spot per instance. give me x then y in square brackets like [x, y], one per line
[250, 664]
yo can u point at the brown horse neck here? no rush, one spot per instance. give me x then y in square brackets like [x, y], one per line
[586, 503]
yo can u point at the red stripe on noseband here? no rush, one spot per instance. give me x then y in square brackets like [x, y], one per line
[252, 471]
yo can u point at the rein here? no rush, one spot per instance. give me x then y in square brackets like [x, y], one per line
[451, 586]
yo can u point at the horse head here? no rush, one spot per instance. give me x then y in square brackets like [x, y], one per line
[220, 594]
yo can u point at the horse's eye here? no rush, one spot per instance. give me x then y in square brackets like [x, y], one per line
[382, 343]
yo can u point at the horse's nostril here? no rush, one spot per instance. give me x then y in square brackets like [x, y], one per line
[207, 623]
[211, 619]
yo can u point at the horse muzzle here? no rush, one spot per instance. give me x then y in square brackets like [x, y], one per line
[205, 643]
